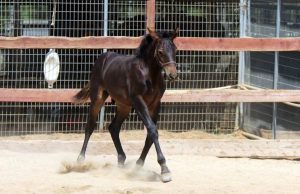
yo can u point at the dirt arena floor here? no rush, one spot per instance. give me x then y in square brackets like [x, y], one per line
[200, 163]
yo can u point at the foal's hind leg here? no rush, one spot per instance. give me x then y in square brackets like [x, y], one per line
[97, 102]
[114, 129]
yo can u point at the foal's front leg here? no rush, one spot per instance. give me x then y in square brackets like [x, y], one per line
[148, 142]
[143, 112]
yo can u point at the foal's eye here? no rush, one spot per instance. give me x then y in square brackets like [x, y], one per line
[161, 50]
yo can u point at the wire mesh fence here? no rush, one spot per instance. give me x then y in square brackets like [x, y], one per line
[41, 118]
[199, 18]
[127, 18]
[23, 68]
[179, 117]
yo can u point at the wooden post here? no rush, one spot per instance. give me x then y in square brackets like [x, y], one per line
[151, 14]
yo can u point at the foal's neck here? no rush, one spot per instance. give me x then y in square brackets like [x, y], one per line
[152, 63]
[147, 54]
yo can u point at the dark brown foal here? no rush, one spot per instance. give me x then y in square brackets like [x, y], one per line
[132, 81]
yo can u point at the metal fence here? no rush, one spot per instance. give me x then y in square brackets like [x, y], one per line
[273, 70]
[23, 68]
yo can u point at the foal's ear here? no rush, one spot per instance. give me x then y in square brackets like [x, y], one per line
[175, 33]
[153, 34]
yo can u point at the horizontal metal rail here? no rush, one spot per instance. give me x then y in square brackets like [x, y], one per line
[183, 43]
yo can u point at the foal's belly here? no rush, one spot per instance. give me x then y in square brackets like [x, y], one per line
[120, 98]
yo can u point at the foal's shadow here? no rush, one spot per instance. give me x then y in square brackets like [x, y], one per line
[134, 172]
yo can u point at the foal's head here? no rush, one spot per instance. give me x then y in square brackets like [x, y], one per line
[165, 51]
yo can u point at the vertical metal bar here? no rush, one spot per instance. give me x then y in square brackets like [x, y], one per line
[105, 18]
[249, 18]
[276, 64]
[243, 23]
[241, 74]
[105, 33]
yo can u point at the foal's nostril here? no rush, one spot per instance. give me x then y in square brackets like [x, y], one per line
[173, 76]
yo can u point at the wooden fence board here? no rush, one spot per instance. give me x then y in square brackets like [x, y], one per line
[226, 95]
[183, 43]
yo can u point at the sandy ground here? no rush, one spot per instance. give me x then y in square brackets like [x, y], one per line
[128, 135]
[52, 171]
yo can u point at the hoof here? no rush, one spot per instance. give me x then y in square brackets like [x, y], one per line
[121, 165]
[138, 167]
[166, 177]
[140, 163]
[80, 159]
[121, 161]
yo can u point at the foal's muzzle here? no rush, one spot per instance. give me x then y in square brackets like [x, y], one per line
[173, 77]
[171, 71]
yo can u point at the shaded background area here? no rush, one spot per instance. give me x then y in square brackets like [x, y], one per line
[260, 72]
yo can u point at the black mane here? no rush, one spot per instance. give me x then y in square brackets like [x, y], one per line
[145, 44]
[147, 41]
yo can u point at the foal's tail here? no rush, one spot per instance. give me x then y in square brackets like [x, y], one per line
[83, 95]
